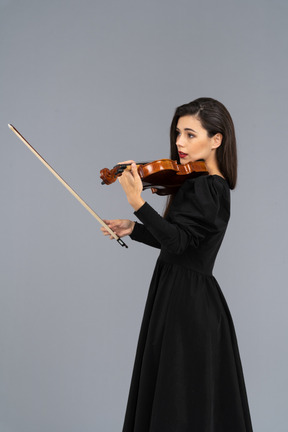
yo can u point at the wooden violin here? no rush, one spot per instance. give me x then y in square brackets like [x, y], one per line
[162, 176]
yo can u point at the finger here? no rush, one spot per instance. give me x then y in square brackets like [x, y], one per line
[134, 168]
[105, 231]
[108, 222]
[111, 223]
[123, 178]
[126, 162]
[108, 234]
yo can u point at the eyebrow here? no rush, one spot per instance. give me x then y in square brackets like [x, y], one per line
[187, 129]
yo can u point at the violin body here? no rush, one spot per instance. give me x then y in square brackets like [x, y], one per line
[163, 176]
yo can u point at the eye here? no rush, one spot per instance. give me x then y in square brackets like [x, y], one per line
[190, 135]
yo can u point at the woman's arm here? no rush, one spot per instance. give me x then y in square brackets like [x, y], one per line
[195, 213]
[132, 186]
[138, 232]
[168, 235]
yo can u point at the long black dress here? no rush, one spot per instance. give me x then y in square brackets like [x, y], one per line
[187, 375]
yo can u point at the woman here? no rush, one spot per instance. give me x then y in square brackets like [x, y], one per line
[187, 374]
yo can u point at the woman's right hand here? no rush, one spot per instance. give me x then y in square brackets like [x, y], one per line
[121, 227]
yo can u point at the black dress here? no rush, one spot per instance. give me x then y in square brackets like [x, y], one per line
[187, 375]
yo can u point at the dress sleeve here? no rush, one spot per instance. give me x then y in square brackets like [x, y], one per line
[141, 234]
[197, 211]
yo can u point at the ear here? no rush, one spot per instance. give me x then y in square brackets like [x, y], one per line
[217, 140]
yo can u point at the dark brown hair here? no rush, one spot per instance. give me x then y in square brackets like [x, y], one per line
[215, 118]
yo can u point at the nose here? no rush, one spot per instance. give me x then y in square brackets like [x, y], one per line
[179, 140]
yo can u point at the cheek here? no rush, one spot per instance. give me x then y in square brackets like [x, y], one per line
[196, 147]
[199, 150]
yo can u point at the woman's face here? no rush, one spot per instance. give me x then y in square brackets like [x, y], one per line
[192, 141]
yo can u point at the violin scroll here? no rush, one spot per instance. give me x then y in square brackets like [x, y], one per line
[110, 176]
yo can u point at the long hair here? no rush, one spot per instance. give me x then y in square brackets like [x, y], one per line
[215, 118]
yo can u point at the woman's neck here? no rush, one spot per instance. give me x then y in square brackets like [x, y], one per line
[213, 169]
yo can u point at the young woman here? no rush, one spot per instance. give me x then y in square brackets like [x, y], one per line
[187, 374]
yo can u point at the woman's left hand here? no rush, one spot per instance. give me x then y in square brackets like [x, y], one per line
[132, 186]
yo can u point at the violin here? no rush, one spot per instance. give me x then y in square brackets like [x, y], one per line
[163, 176]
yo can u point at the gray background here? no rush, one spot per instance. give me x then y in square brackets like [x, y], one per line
[91, 83]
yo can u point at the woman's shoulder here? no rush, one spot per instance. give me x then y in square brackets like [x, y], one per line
[204, 197]
[213, 185]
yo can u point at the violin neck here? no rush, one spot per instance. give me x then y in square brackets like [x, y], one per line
[123, 166]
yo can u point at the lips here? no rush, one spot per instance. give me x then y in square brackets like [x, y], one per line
[182, 155]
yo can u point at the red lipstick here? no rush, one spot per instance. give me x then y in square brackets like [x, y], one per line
[182, 155]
